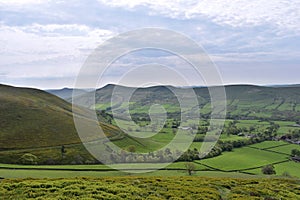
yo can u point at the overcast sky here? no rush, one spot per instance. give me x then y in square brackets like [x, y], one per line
[44, 43]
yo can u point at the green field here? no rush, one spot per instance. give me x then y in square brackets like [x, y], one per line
[7, 173]
[268, 144]
[243, 158]
[290, 168]
[287, 149]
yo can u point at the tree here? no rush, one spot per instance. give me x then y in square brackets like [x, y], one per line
[268, 169]
[190, 167]
[251, 129]
[295, 152]
[63, 151]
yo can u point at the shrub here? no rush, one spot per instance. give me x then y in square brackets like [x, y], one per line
[268, 169]
[131, 148]
[295, 152]
[28, 159]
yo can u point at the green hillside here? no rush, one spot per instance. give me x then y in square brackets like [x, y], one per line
[33, 121]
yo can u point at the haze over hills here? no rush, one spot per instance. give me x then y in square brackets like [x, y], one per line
[243, 101]
[66, 93]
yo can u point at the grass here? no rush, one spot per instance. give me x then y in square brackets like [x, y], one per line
[286, 149]
[35, 118]
[291, 167]
[243, 158]
[58, 167]
[8, 173]
[99, 167]
[269, 144]
[225, 137]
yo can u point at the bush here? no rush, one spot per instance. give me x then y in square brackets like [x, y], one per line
[28, 159]
[269, 169]
[295, 152]
[286, 174]
[131, 148]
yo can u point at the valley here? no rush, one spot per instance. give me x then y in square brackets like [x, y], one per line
[41, 125]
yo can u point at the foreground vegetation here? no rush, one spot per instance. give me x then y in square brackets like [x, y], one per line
[150, 188]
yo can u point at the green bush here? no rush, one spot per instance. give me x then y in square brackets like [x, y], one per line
[268, 169]
[28, 159]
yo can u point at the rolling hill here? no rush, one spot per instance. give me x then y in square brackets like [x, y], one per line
[34, 121]
[243, 101]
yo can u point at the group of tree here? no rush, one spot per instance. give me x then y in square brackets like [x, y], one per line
[292, 135]
[295, 153]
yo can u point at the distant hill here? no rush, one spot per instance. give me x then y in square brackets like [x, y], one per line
[66, 93]
[243, 101]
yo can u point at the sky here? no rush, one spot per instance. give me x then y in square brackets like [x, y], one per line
[44, 43]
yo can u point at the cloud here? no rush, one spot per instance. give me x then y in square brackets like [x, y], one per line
[52, 50]
[49, 40]
[21, 2]
[281, 14]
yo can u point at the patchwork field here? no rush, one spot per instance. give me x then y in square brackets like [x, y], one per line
[243, 158]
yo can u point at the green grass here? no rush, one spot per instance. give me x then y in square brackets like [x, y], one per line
[8, 173]
[286, 149]
[224, 137]
[291, 167]
[99, 167]
[38, 119]
[268, 144]
[243, 158]
[70, 167]
[52, 153]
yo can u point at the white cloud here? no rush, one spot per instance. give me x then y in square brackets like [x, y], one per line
[281, 14]
[47, 50]
[44, 39]
[21, 2]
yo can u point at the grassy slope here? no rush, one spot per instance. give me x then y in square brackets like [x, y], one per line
[40, 123]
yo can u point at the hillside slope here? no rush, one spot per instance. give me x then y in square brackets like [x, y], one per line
[31, 118]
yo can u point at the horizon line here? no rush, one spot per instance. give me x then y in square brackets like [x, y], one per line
[158, 85]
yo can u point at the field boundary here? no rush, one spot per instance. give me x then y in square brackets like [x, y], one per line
[281, 145]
